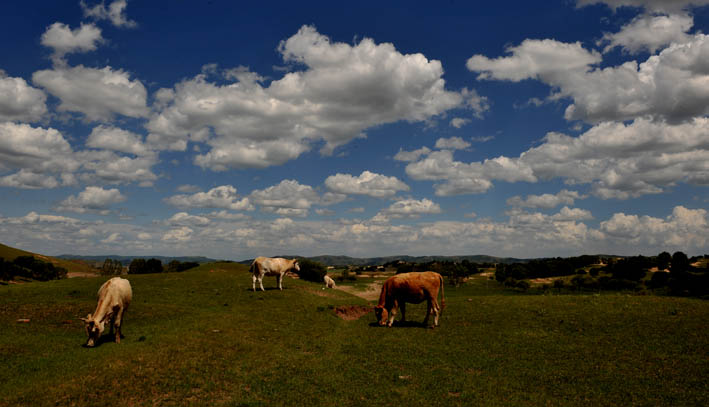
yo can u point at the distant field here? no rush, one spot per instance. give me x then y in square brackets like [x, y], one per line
[203, 338]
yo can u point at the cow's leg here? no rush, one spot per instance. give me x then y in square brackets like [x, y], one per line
[279, 279]
[392, 314]
[402, 306]
[260, 283]
[428, 312]
[118, 323]
[253, 280]
[436, 312]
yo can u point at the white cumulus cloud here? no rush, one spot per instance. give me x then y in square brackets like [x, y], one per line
[92, 199]
[115, 139]
[115, 13]
[649, 33]
[338, 91]
[651, 5]
[547, 201]
[453, 143]
[412, 208]
[287, 198]
[99, 94]
[223, 197]
[63, 40]
[367, 183]
[672, 85]
[19, 101]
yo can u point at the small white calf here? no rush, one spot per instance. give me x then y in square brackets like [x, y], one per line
[329, 282]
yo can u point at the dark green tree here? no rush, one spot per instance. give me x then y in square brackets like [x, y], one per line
[680, 263]
[663, 260]
[111, 267]
[137, 266]
[311, 270]
[154, 266]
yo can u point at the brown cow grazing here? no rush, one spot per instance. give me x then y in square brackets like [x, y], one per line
[271, 266]
[114, 297]
[413, 288]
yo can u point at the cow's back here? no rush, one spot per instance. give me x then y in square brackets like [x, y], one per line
[271, 265]
[117, 291]
[414, 287]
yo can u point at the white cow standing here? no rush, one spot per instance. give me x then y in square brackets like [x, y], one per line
[329, 282]
[272, 266]
[114, 297]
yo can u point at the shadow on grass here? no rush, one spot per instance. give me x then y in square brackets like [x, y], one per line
[107, 338]
[401, 324]
[266, 289]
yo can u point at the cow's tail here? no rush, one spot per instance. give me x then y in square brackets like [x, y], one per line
[253, 267]
[443, 299]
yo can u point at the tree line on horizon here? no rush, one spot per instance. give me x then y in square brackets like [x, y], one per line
[675, 274]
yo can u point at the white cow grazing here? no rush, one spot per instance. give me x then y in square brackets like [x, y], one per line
[329, 282]
[114, 297]
[272, 266]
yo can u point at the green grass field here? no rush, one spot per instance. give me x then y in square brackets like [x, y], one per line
[203, 338]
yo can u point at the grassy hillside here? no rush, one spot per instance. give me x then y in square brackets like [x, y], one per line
[10, 253]
[202, 337]
[72, 266]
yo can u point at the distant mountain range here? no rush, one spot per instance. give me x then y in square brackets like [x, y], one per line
[374, 261]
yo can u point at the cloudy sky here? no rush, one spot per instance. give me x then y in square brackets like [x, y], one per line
[515, 128]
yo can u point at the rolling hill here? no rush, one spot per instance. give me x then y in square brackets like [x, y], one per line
[71, 265]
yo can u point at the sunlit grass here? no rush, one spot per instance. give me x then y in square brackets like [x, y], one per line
[202, 337]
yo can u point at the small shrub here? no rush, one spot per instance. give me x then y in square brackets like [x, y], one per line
[311, 270]
[659, 279]
[510, 282]
[346, 275]
[522, 285]
[559, 284]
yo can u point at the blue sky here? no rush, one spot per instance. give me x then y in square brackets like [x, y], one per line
[526, 129]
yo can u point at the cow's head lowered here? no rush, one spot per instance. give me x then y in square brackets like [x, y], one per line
[296, 266]
[381, 314]
[94, 329]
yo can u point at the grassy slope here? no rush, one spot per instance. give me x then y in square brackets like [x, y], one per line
[203, 338]
[10, 253]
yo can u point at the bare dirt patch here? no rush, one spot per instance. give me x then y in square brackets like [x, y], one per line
[370, 294]
[73, 274]
[544, 280]
[352, 312]
[320, 292]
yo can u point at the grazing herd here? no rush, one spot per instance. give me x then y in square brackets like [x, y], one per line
[115, 296]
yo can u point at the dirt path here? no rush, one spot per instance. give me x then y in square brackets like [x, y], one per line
[370, 294]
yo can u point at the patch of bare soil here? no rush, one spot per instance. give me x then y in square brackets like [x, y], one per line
[352, 312]
[545, 280]
[370, 294]
[73, 274]
[320, 292]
